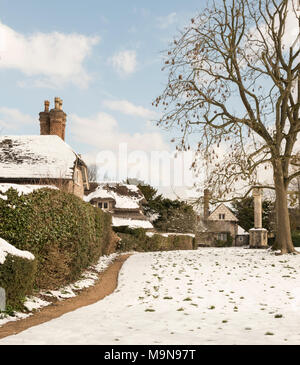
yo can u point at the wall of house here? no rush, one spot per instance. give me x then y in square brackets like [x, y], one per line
[129, 213]
[78, 188]
[67, 186]
[209, 237]
[223, 226]
[222, 209]
[242, 240]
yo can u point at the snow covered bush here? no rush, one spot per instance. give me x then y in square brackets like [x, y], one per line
[17, 273]
[64, 233]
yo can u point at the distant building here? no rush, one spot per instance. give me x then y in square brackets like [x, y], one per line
[124, 202]
[45, 159]
[219, 225]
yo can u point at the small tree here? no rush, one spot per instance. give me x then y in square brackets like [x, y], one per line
[244, 211]
[232, 80]
[168, 215]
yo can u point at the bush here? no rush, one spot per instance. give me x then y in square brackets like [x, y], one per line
[17, 278]
[296, 238]
[137, 240]
[65, 234]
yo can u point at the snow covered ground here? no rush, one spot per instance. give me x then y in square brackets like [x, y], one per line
[208, 296]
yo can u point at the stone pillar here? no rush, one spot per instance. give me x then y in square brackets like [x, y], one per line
[258, 235]
[257, 208]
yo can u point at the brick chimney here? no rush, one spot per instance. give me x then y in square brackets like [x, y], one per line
[206, 199]
[53, 122]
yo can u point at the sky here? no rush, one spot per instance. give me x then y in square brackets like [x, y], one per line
[103, 58]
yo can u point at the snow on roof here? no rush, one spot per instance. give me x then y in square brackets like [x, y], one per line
[6, 248]
[241, 231]
[22, 189]
[36, 157]
[150, 234]
[132, 223]
[125, 196]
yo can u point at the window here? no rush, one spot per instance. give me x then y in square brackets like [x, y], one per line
[105, 205]
[221, 216]
[100, 205]
[222, 236]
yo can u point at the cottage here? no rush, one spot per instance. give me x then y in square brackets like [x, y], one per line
[45, 159]
[123, 201]
[221, 225]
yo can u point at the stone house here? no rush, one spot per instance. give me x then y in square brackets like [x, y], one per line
[45, 159]
[219, 225]
[123, 201]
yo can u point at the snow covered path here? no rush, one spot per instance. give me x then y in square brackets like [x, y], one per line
[208, 296]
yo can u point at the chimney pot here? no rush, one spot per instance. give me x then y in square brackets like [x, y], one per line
[56, 103]
[47, 103]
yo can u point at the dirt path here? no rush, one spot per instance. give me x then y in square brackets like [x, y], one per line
[106, 284]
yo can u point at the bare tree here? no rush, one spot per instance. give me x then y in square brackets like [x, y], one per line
[92, 173]
[234, 87]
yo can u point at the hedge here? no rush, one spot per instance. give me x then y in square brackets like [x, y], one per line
[65, 234]
[17, 278]
[137, 240]
[296, 238]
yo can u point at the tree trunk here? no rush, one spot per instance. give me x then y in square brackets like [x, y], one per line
[283, 235]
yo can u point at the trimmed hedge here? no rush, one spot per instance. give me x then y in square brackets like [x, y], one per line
[65, 234]
[137, 240]
[17, 278]
[296, 238]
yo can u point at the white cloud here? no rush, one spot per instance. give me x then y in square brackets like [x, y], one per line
[13, 119]
[128, 108]
[102, 131]
[164, 22]
[49, 58]
[119, 154]
[124, 62]
[292, 24]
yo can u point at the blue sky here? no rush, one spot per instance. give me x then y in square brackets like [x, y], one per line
[103, 58]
